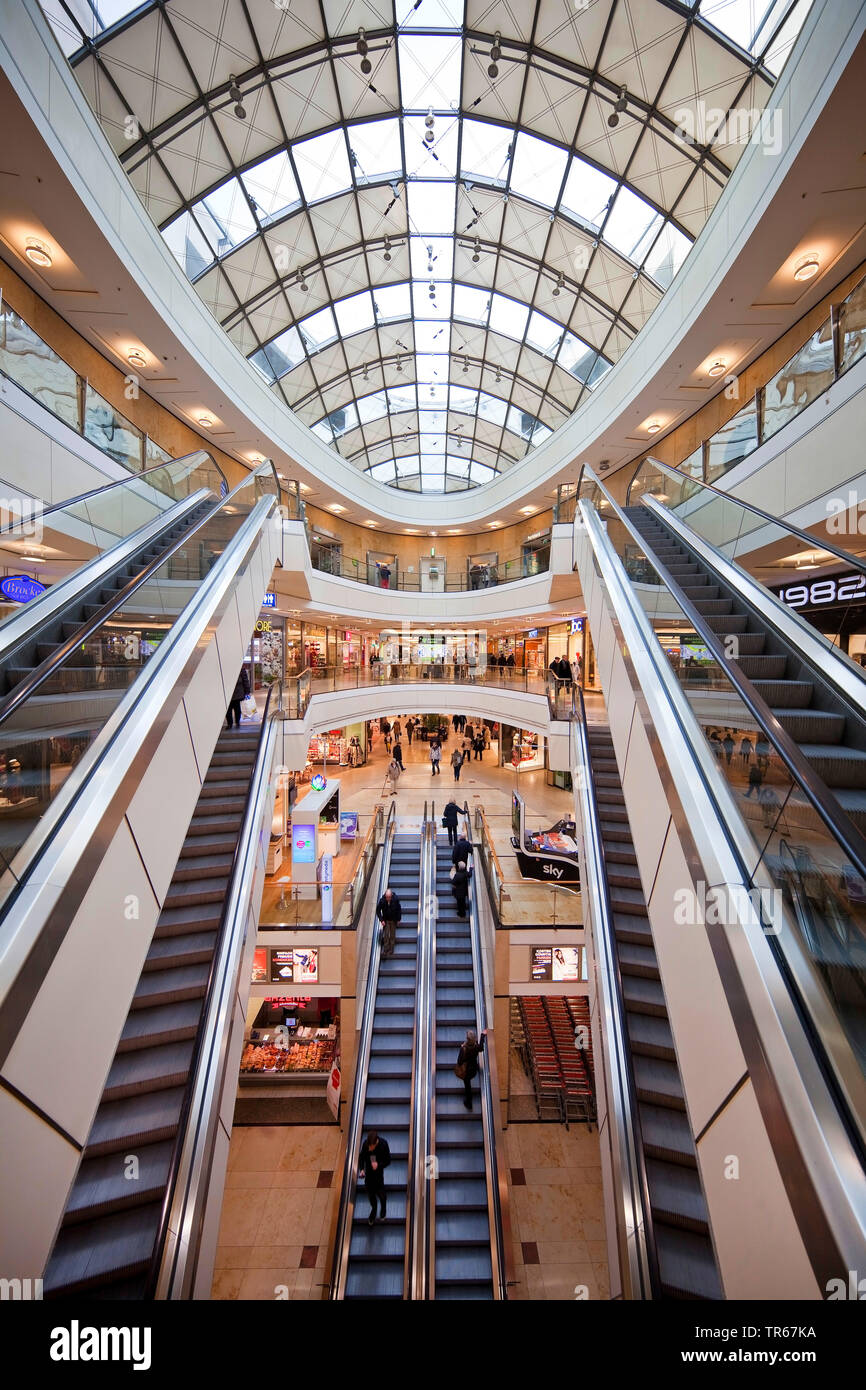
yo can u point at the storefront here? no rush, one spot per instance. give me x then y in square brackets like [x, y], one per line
[833, 603]
[288, 1036]
[522, 749]
[315, 647]
[265, 654]
[535, 650]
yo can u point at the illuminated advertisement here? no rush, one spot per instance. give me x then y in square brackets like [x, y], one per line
[282, 964]
[566, 962]
[541, 963]
[21, 588]
[306, 963]
[260, 966]
[303, 844]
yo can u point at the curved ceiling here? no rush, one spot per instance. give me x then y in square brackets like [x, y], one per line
[431, 307]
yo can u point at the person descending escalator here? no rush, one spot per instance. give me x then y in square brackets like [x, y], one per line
[389, 912]
[467, 1062]
[375, 1157]
[240, 692]
[460, 887]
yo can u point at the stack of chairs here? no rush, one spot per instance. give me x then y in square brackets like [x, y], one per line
[546, 1072]
[578, 1007]
[577, 1093]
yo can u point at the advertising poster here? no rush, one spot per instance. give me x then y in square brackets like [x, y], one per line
[566, 962]
[282, 964]
[306, 964]
[303, 844]
[541, 963]
[332, 1095]
[260, 966]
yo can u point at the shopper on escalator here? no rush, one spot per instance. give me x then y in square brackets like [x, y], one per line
[240, 692]
[467, 1062]
[460, 887]
[389, 912]
[449, 820]
[375, 1157]
[462, 851]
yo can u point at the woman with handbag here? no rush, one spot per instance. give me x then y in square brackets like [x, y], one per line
[240, 692]
[467, 1062]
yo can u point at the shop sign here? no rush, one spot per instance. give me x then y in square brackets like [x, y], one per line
[576, 625]
[532, 633]
[820, 593]
[269, 600]
[318, 782]
[263, 625]
[20, 588]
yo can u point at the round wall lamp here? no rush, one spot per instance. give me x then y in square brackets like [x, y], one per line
[717, 368]
[38, 253]
[206, 421]
[807, 267]
[136, 359]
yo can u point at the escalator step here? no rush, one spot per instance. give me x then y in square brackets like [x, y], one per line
[666, 1134]
[676, 1195]
[143, 1119]
[102, 1185]
[94, 1253]
[148, 1069]
[657, 1081]
[686, 1264]
[166, 1023]
[461, 1228]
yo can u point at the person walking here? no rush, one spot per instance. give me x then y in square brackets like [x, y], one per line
[746, 750]
[394, 770]
[467, 747]
[240, 692]
[389, 912]
[728, 745]
[457, 763]
[478, 745]
[460, 887]
[455, 723]
[385, 731]
[398, 753]
[449, 820]
[398, 730]
[509, 660]
[435, 756]
[385, 576]
[410, 729]
[375, 1157]
[467, 1062]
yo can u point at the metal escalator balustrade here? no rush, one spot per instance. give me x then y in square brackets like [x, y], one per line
[666, 1248]
[164, 1085]
[74, 670]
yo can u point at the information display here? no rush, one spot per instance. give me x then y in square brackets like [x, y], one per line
[566, 963]
[541, 965]
[303, 844]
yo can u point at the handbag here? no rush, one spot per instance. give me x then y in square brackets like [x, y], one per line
[249, 706]
[460, 1071]
[452, 871]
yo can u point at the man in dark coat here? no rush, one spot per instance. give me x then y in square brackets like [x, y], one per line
[462, 851]
[389, 913]
[240, 692]
[375, 1157]
[460, 888]
[467, 1057]
[449, 820]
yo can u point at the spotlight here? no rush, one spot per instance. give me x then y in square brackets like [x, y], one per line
[559, 286]
[366, 66]
[493, 71]
[429, 137]
[717, 368]
[619, 106]
[38, 253]
[241, 112]
[476, 255]
[387, 255]
[429, 119]
[206, 421]
[653, 428]
[302, 282]
[234, 89]
[496, 51]
[362, 46]
[136, 359]
[400, 365]
[807, 267]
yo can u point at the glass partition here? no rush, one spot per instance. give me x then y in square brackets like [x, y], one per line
[112, 432]
[737, 438]
[802, 380]
[38, 370]
[852, 327]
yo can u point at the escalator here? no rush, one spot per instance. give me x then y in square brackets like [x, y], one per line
[682, 1257]
[111, 1227]
[462, 1266]
[376, 1263]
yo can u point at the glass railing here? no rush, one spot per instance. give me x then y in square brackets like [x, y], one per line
[81, 530]
[45, 735]
[803, 843]
[518, 901]
[468, 577]
[323, 680]
[286, 906]
[746, 535]
[832, 350]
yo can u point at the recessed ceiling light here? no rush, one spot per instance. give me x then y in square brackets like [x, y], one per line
[494, 523]
[807, 267]
[335, 507]
[371, 523]
[455, 533]
[32, 560]
[717, 368]
[38, 253]
[136, 358]
[653, 427]
[528, 511]
[206, 421]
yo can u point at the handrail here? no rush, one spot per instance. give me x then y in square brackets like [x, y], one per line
[346, 1210]
[638, 1259]
[823, 801]
[119, 482]
[172, 1267]
[497, 1186]
[855, 561]
[420, 1182]
[798, 1086]
[400, 583]
[41, 673]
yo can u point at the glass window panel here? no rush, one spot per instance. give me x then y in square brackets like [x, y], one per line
[324, 431]
[110, 431]
[323, 165]
[272, 187]
[492, 408]
[430, 336]
[737, 438]
[185, 240]
[37, 369]
[632, 225]
[537, 169]
[431, 208]
[376, 147]
[587, 193]
[431, 369]
[407, 465]
[776, 54]
[852, 326]
[430, 71]
[436, 161]
[598, 371]
[464, 398]
[225, 217]
[439, 307]
[576, 357]
[458, 467]
[401, 398]
[355, 314]
[481, 472]
[485, 150]
[433, 14]
[318, 329]
[285, 352]
[471, 304]
[372, 407]
[750, 23]
[543, 333]
[438, 249]
[392, 302]
[262, 365]
[667, 255]
[344, 418]
[522, 423]
[508, 317]
[383, 472]
[800, 381]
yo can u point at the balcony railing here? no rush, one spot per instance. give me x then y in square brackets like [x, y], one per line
[326, 680]
[466, 577]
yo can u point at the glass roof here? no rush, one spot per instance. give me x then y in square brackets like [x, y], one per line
[431, 225]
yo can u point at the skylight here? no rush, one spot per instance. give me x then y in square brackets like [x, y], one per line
[537, 169]
[377, 151]
[430, 68]
[323, 165]
[272, 187]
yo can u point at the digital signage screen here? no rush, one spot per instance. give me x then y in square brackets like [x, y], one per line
[306, 964]
[282, 965]
[303, 844]
[541, 963]
[566, 962]
[260, 965]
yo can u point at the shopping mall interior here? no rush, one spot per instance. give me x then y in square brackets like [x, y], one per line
[432, 539]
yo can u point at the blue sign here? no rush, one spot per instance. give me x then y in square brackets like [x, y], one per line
[317, 782]
[577, 624]
[20, 588]
[269, 601]
[533, 632]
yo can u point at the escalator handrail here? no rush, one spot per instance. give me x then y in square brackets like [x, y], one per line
[46, 669]
[814, 542]
[171, 1270]
[419, 1183]
[497, 1188]
[120, 482]
[830, 1197]
[346, 1208]
[824, 803]
[636, 1240]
